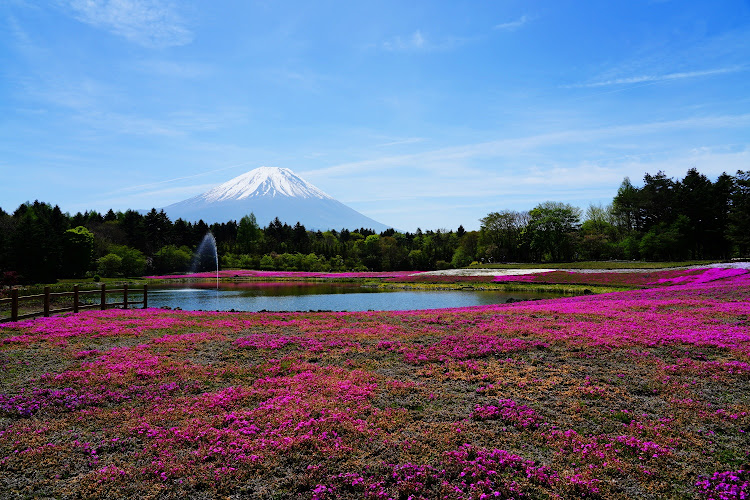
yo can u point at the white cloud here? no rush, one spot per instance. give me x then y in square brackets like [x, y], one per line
[401, 142]
[658, 78]
[436, 200]
[172, 125]
[147, 199]
[517, 173]
[446, 159]
[298, 78]
[513, 25]
[152, 185]
[172, 69]
[151, 23]
[416, 41]
[80, 94]
[419, 42]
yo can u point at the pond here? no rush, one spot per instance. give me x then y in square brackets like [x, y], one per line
[307, 296]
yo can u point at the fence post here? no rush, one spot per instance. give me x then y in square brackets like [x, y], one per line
[14, 304]
[124, 296]
[145, 296]
[46, 301]
[75, 299]
[104, 297]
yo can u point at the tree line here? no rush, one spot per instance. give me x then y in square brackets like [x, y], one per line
[664, 219]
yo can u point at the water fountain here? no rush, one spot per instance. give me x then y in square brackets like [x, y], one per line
[202, 259]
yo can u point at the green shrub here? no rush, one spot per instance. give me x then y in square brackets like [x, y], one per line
[171, 259]
[109, 265]
[266, 263]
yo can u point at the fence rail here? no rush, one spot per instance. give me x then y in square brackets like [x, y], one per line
[77, 306]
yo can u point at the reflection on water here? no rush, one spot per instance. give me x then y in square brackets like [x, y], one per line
[307, 296]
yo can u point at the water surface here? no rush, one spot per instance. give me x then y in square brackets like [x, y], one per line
[306, 296]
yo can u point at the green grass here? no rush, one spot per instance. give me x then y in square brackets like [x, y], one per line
[610, 264]
[555, 288]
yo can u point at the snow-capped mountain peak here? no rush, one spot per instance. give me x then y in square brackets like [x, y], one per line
[264, 182]
[270, 193]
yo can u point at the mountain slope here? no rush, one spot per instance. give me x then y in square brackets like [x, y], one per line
[271, 192]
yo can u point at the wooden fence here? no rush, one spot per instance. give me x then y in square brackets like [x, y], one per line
[76, 294]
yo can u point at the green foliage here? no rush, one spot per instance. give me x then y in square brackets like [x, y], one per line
[337, 264]
[442, 265]
[665, 242]
[654, 212]
[369, 252]
[266, 263]
[172, 259]
[501, 234]
[658, 200]
[240, 261]
[157, 228]
[626, 206]
[109, 266]
[78, 252]
[598, 234]
[248, 234]
[629, 247]
[133, 261]
[298, 262]
[418, 260]
[35, 244]
[550, 230]
[461, 258]
[739, 215]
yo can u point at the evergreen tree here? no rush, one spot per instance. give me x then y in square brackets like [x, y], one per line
[78, 252]
[739, 215]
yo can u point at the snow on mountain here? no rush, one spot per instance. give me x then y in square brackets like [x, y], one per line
[270, 192]
[264, 181]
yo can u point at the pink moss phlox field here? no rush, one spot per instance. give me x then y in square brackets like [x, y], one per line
[508, 411]
[467, 472]
[728, 485]
[638, 394]
[640, 279]
[466, 346]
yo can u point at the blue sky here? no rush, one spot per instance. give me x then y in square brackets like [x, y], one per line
[418, 114]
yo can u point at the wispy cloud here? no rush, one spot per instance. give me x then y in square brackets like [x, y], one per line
[421, 42]
[172, 69]
[151, 185]
[447, 158]
[299, 78]
[151, 23]
[151, 198]
[21, 39]
[416, 41]
[174, 124]
[658, 78]
[401, 142]
[81, 95]
[513, 25]
[417, 197]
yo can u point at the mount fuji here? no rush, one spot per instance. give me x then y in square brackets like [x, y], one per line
[270, 192]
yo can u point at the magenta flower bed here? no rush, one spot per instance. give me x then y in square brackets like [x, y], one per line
[640, 279]
[711, 274]
[641, 394]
